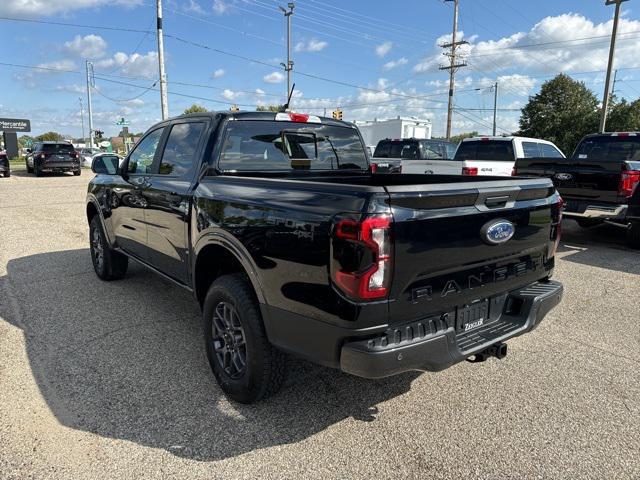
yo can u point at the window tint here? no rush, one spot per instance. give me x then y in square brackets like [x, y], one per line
[610, 148]
[382, 150]
[431, 150]
[549, 151]
[531, 149]
[141, 158]
[57, 148]
[180, 150]
[260, 145]
[491, 150]
[410, 151]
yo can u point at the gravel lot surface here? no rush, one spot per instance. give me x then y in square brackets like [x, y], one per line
[109, 380]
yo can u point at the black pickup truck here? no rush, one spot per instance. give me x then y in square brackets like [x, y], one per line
[290, 244]
[599, 182]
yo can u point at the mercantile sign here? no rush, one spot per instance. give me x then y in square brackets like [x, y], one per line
[14, 125]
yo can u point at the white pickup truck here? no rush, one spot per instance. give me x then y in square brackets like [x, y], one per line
[413, 155]
[498, 155]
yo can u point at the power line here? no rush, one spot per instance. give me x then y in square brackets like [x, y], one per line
[66, 24]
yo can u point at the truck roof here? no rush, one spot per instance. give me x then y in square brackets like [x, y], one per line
[505, 138]
[266, 116]
[613, 134]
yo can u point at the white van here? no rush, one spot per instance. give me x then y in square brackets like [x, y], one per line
[497, 155]
[419, 155]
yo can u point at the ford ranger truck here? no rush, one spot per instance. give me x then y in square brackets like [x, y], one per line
[291, 245]
[599, 183]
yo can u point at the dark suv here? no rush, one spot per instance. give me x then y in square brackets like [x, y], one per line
[53, 157]
[4, 164]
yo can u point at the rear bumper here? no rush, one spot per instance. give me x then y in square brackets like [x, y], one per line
[432, 345]
[604, 212]
[60, 166]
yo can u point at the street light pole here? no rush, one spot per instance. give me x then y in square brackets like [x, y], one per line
[612, 49]
[289, 66]
[495, 106]
[84, 139]
[89, 67]
[163, 77]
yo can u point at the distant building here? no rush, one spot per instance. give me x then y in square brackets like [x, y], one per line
[399, 127]
[119, 146]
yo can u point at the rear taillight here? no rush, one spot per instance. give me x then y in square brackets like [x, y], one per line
[73, 154]
[514, 172]
[469, 170]
[361, 264]
[556, 228]
[43, 156]
[374, 168]
[629, 179]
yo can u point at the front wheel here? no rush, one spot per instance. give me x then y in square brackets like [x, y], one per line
[7, 174]
[248, 368]
[107, 263]
[633, 234]
[37, 171]
[29, 169]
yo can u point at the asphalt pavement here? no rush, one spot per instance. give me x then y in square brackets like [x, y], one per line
[109, 380]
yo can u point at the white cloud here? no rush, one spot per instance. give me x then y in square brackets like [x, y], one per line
[312, 45]
[260, 92]
[230, 94]
[40, 8]
[395, 63]
[555, 44]
[218, 73]
[62, 65]
[80, 89]
[135, 65]
[193, 7]
[273, 77]
[90, 46]
[220, 7]
[383, 49]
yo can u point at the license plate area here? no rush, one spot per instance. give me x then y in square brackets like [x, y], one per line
[472, 316]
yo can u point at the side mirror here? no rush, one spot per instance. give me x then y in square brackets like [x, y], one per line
[105, 164]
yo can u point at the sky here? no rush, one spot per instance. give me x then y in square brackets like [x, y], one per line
[372, 58]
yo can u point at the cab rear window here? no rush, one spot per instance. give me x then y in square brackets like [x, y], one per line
[490, 150]
[276, 146]
[609, 149]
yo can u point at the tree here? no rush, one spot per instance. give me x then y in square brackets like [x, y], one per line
[195, 109]
[270, 108]
[562, 112]
[49, 136]
[623, 116]
[25, 141]
[461, 136]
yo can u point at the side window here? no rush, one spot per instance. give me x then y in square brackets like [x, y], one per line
[180, 150]
[141, 159]
[531, 149]
[550, 151]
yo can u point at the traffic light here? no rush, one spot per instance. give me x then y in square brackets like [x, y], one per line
[99, 133]
[337, 114]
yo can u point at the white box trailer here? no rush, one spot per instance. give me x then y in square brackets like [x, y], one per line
[399, 127]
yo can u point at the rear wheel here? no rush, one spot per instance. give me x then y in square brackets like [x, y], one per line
[7, 173]
[633, 234]
[77, 172]
[29, 169]
[247, 367]
[107, 263]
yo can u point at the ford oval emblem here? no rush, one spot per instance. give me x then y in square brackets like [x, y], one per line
[496, 232]
[563, 176]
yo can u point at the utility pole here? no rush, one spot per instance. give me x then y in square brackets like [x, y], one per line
[289, 65]
[89, 67]
[612, 49]
[163, 77]
[84, 139]
[453, 66]
[495, 106]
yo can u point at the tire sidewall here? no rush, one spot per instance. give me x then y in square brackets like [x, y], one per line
[101, 273]
[246, 388]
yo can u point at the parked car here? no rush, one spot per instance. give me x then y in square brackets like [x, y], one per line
[418, 156]
[52, 157]
[498, 155]
[87, 155]
[5, 167]
[290, 244]
[599, 183]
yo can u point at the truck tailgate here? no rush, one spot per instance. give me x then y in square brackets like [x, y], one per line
[577, 179]
[443, 260]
